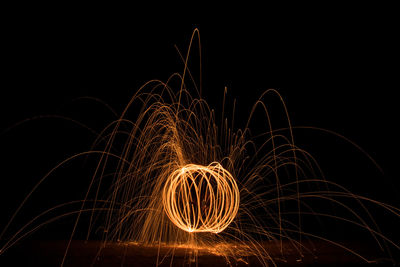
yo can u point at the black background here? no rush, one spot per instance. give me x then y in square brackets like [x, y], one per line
[337, 72]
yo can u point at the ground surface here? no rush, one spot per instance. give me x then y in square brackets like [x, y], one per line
[81, 253]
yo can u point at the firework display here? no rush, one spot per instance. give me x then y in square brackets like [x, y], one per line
[170, 174]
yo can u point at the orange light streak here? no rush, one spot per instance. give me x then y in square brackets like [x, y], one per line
[201, 198]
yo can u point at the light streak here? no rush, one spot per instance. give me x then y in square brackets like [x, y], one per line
[201, 198]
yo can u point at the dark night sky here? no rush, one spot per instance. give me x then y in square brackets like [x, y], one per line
[337, 73]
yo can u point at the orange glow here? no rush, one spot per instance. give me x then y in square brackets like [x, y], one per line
[201, 198]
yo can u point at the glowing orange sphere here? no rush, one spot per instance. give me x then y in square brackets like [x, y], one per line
[200, 198]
